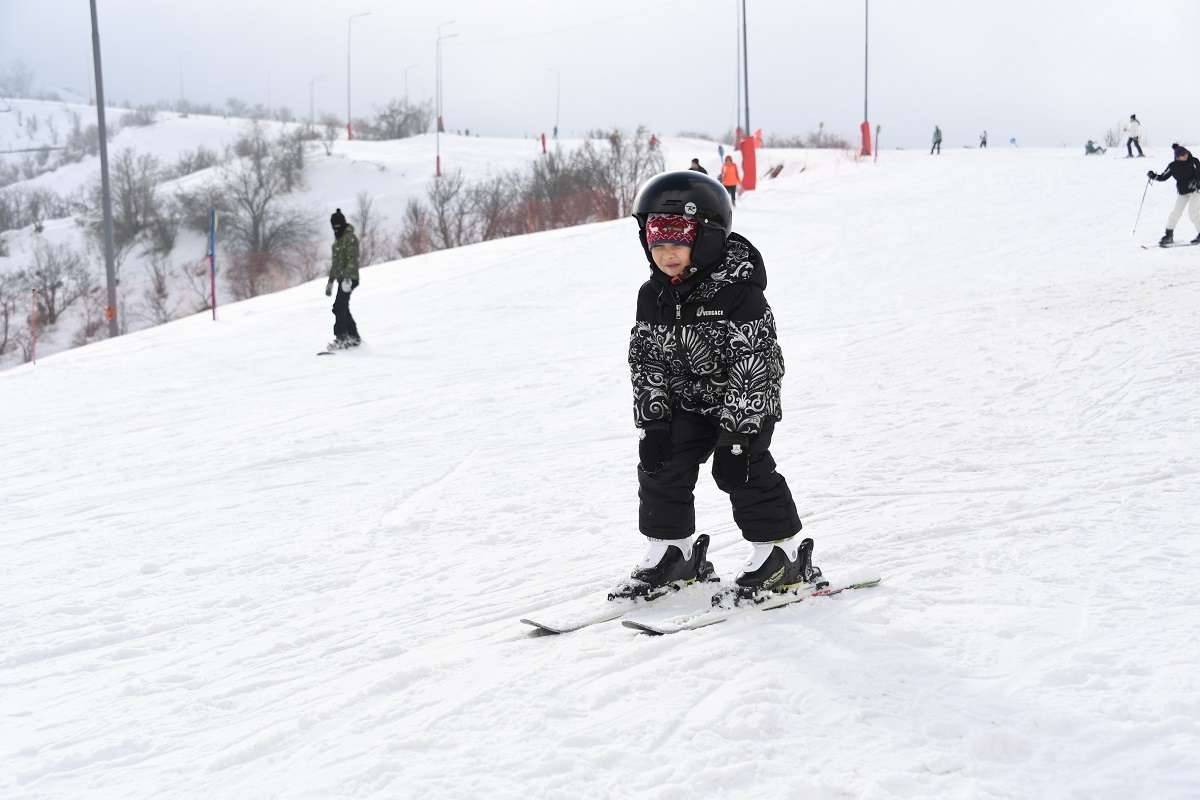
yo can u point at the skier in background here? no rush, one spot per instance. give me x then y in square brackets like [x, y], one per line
[730, 179]
[983, 139]
[343, 271]
[1134, 131]
[707, 369]
[937, 141]
[1092, 149]
[695, 167]
[1185, 169]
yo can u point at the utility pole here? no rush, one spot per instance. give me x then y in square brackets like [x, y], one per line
[746, 65]
[110, 272]
[312, 105]
[866, 56]
[437, 171]
[349, 21]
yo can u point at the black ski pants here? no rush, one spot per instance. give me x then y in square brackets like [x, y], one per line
[344, 326]
[1132, 142]
[732, 194]
[762, 508]
[936, 146]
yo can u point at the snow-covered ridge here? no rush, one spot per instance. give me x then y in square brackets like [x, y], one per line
[233, 569]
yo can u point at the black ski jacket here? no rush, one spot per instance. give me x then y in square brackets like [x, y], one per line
[708, 345]
[1185, 173]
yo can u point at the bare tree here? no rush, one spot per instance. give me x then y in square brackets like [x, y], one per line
[414, 233]
[135, 200]
[197, 283]
[9, 293]
[60, 276]
[449, 204]
[493, 202]
[308, 262]
[156, 296]
[17, 80]
[331, 131]
[398, 119]
[364, 213]
[260, 229]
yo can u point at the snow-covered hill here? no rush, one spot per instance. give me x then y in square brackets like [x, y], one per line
[389, 173]
[232, 569]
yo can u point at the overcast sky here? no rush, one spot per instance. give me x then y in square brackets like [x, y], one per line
[1048, 72]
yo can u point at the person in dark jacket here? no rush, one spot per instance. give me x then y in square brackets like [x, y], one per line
[343, 272]
[937, 141]
[1185, 169]
[695, 167]
[706, 369]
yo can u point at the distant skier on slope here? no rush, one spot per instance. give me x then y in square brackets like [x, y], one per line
[937, 141]
[1134, 131]
[1092, 149]
[730, 179]
[695, 167]
[343, 271]
[1185, 169]
[983, 140]
[706, 371]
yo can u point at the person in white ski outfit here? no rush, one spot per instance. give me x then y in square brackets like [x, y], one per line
[1134, 131]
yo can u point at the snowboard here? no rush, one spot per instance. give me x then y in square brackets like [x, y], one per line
[723, 607]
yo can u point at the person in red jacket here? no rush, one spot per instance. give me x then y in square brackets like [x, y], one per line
[730, 178]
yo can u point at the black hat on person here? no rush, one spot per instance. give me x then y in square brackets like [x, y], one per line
[1180, 150]
[337, 220]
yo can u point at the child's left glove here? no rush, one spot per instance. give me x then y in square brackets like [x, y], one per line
[347, 285]
[731, 460]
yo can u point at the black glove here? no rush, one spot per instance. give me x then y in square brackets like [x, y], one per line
[654, 449]
[731, 460]
[1152, 174]
[329, 288]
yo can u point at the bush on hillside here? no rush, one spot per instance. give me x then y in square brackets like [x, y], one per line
[398, 119]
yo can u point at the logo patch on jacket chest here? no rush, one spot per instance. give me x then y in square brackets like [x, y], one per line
[716, 312]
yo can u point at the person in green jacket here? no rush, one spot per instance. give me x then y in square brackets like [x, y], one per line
[343, 271]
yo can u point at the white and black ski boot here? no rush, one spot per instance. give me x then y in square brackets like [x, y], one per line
[1167, 239]
[778, 567]
[667, 566]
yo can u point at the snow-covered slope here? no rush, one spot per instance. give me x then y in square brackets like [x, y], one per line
[232, 569]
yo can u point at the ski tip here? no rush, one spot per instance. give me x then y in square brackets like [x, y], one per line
[641, 628]
[540, 628]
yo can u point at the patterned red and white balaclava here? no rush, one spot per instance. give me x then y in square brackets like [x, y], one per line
[670, 229]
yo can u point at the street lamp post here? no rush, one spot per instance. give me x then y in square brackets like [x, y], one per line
[866, 124]
[349, 20]
[312, 105]
[746, 65]
[110, 271]
[437, 172]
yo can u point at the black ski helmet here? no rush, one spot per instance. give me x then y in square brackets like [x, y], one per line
[693, 195]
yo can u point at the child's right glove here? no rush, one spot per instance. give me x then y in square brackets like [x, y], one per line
[654, 449]
[1152, 174]
[329, 288]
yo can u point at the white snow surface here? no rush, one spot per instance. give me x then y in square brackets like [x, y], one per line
[232, 569]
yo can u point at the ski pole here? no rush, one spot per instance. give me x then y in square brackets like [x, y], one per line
[1139, 214]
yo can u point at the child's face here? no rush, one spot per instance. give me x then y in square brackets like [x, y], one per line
[672, 259]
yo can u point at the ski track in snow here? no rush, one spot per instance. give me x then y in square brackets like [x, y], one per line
[235, 570]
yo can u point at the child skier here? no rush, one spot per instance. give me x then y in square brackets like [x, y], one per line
[706, 370]
[343, 270]
[1185, 169]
